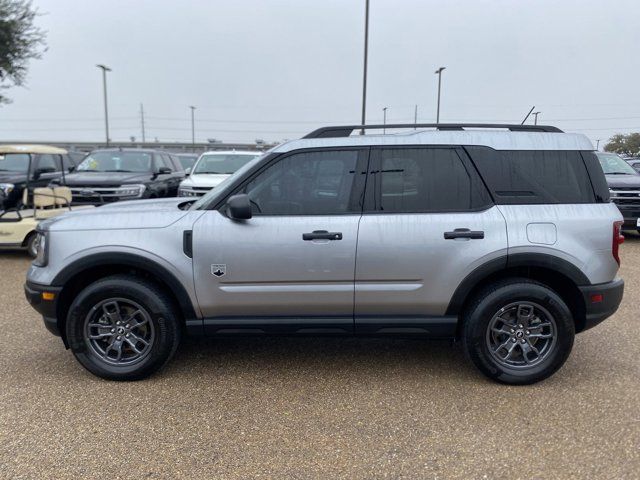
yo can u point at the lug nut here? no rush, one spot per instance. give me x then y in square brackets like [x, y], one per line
[113, 330]
[127, 335]
[512, 330]
[528, 332]
[513, 340]
[522, 341]
[118, 337]
[126, 326]
[520, 326]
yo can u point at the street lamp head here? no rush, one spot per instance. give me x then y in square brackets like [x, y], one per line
[103, 67]
[439, 70]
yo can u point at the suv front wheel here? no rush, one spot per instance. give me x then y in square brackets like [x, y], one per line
[122, 328]
[518, 331]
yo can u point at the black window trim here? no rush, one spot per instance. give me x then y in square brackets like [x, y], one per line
[373, 188]
[362, 169]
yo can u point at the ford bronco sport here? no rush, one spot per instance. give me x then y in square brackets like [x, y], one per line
[502, 236]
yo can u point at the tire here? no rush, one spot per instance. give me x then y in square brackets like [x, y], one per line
[32, 245]
[141, 344]
[509, 317]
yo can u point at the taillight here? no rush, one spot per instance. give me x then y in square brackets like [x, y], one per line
[618, 238]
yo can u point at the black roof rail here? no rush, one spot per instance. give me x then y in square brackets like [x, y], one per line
[347, 130]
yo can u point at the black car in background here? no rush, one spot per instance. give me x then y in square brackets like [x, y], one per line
[624, 187]
[29, 166]
[109, 175]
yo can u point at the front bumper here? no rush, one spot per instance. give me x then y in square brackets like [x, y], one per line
[46, 308]
[630, 213]
[601, 301]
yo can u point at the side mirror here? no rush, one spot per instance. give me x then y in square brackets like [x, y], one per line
[164, 171]
[72, 168]
[37, 173]
[187, 172]
[239, 207]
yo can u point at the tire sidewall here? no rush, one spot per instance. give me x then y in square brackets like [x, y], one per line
[478, 320]
[160, 313]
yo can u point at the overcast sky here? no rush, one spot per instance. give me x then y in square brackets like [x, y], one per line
[276, 69]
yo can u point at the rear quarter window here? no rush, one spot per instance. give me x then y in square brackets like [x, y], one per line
[534, 177]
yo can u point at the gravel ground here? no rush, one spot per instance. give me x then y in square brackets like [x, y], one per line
[317, 408]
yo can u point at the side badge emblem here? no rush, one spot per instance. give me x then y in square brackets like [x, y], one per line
[218, 270]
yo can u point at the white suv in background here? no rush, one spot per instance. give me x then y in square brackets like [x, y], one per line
[211, 169]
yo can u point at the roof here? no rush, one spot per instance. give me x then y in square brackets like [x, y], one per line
[233, 152]
[496, 139]
[41, 149]
[130, 149]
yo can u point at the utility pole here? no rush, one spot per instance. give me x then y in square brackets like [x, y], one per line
[366, 54]
[598, 144]
[384, 119]
[439, 73]
[105, 69]
[193, 126]
[415, 117]
[535, 118]
[142, 122]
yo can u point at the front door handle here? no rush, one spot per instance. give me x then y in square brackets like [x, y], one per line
[464, 233]
[322, 235]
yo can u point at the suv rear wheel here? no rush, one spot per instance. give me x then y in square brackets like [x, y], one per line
[122, 328]
[518, 331]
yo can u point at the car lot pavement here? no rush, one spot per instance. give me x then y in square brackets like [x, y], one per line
[317, 408]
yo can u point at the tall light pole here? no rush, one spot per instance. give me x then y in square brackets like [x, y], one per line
[105, 69]
[535, 117]
[439, 73]
[598, 144]
[144, 139]
[193, 125]
[364, 76]
[384, 119]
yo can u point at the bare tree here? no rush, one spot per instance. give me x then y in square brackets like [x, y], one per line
[20, 41]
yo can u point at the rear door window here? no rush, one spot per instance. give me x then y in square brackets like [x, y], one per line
[534, 177]
[424, 180]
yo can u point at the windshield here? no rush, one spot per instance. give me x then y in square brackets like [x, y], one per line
[612, 164]
[221, 163]
[14, 162]
[222, 186]
[116, 162]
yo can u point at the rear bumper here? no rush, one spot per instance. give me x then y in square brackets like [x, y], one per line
[46, 308]
[601, 301]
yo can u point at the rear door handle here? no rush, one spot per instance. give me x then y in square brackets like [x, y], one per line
[322, 235]
[464, 233]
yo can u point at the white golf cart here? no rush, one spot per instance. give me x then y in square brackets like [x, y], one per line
[18, 226]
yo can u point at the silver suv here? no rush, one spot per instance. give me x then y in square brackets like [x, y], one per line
[501, 236]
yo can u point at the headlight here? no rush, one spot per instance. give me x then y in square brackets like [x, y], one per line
[42, 250]
[7, 188]
[131, 190]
